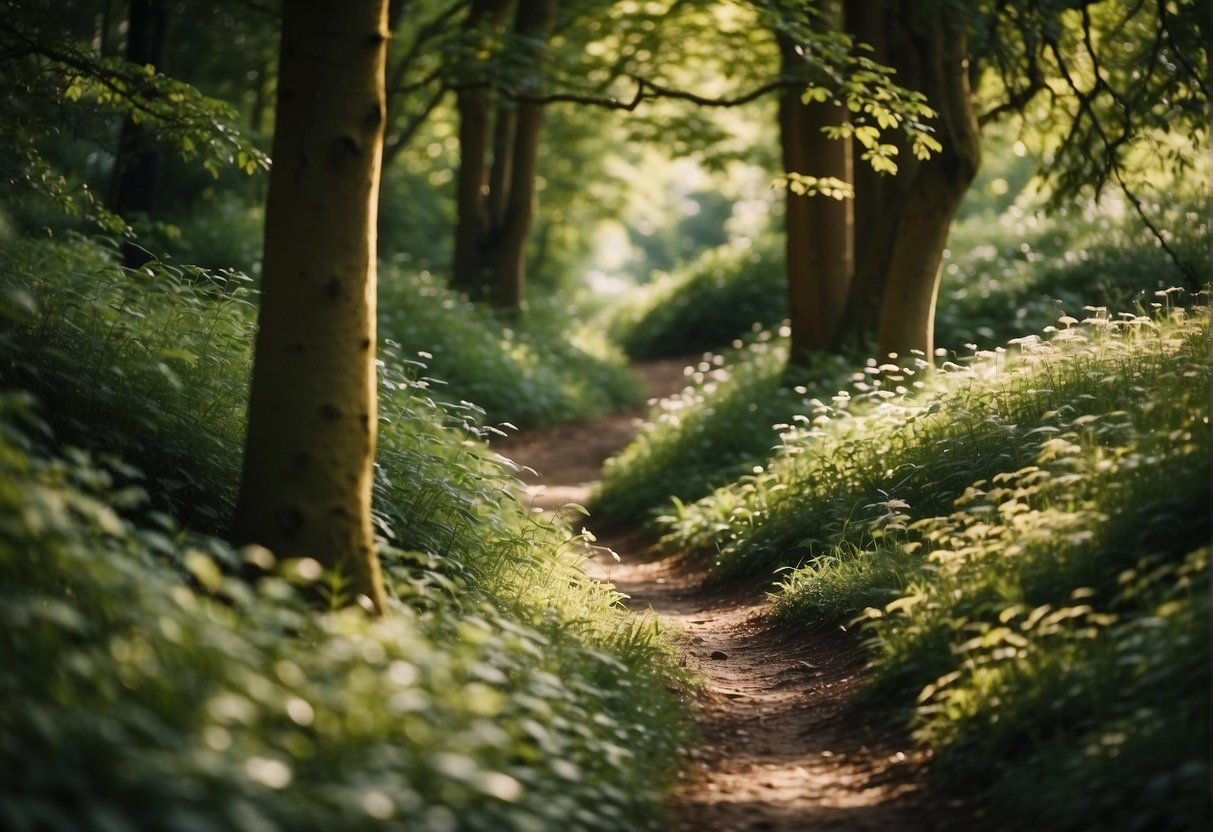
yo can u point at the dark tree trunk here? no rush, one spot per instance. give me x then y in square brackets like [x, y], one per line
[876, 195]
[819, 230]
[137, 167]
[469, 272]
[496, 200]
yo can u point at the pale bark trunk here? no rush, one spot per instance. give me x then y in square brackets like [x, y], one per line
[907, 321]
[309, 455]
[819, 230]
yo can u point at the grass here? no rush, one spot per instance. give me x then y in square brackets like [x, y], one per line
[716, 429]
[1024, 539]
[145, 687]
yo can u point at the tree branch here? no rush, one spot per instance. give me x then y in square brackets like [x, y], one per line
[645, 91]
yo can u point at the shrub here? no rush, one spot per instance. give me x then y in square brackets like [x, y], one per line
[729, 292]
[542, 368]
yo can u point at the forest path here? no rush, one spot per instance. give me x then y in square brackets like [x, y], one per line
[782, 748]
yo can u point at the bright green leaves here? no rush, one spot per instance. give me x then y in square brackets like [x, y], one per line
[50, 79]
[828, 186]
[881, 114]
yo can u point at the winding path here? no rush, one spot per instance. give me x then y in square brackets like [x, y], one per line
[782, 747]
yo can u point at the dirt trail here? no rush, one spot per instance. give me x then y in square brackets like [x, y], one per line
[782, 748]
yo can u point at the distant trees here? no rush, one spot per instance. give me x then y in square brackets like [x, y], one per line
[499, 148]
[305, 490]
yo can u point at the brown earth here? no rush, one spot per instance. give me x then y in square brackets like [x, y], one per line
[783, 747]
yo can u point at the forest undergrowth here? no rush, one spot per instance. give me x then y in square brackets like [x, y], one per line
[1021, 537]
[148, 685]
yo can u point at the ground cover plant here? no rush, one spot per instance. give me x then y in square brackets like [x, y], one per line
[1024, 538]
[146, 685]
[536, 368]
[1012, 274]
[728, 292]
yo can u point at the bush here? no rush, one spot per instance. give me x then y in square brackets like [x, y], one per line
[1012, 275]
[729, 292]
[542, 368]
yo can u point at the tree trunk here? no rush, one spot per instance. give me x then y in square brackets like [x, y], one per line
[532, 24]
[819, 230]
[494, 224]
[907, 320]
[138, 164]
[471, 190]
[876, 195]
[309, 454]
[474, 102]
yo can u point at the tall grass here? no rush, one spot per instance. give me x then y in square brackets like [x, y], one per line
[145, 687]
[716, 429]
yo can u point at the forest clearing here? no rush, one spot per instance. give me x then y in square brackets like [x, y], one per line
[605, 415]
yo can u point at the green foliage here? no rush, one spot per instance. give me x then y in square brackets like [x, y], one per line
[540, 369]
[705, 305]
[1009, 276]
[1127, 89]
[148, 688]
[1056, 624]
[1004, 278]
[717, 429]
[149, 366]
[1024, 539]
[53, 78]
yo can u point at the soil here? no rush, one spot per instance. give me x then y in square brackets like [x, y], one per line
[783, 746]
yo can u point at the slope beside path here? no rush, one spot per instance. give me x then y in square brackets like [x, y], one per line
[782, 747]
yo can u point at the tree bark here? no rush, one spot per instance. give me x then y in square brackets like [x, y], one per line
[471, 188]
[139, 161]
[496, 201]
[924, 218]
[309, 454]
[876, 195]
[474, 102]
[819, 235]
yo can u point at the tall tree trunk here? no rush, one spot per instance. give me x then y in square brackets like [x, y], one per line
[309, 453]
[907, 320]
[509, 285]
[474, 102]
[496, 203]
[138, 164]
[876, 195]
[819, 230]
[471, 189]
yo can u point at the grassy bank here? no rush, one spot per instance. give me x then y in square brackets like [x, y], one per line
[1023, 537]
[146, 687]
